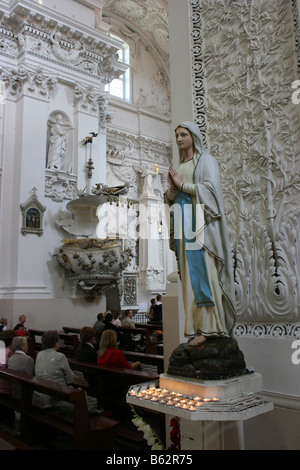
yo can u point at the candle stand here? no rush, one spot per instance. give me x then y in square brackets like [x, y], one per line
[211, 412]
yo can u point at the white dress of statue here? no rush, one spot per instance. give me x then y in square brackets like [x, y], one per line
[57, 144]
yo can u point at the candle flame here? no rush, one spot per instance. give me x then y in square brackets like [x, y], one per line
[156, 168]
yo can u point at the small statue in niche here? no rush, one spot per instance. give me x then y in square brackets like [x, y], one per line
[57, 143]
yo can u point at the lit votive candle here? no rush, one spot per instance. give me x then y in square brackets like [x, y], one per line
[206, 399]
[177, 405]
[183, 401]
[184, 407]
[176, 399]
[178, 394]
[190, 402]
[139, 395]
[197, 398]
[198, 404]
[154, 399]
[192, 408]
[170, 403]
[215, 399]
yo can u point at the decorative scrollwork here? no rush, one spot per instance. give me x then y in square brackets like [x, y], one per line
[242, 103]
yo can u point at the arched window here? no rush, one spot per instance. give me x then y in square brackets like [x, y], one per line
[120, 87]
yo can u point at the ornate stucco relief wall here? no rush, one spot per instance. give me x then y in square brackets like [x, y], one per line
[133, 159]
[244, 63]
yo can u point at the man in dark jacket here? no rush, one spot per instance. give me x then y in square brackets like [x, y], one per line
[158, 309]
[86, 351]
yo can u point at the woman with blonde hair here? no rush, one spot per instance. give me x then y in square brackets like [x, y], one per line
[110, 355]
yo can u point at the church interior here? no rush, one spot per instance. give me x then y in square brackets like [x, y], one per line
[91, 92]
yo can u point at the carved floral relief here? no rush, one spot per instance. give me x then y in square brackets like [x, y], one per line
[245, 60]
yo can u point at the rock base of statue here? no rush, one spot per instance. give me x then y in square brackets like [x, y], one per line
[215, 359]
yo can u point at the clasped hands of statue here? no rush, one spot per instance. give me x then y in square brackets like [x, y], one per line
[174, 179]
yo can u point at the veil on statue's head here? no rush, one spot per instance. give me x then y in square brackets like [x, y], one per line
[197, 138]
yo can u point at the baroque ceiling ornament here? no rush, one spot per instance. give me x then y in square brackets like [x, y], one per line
[147, 18]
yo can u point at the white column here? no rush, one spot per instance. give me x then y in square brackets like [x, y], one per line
[24, 156]
[180, 64]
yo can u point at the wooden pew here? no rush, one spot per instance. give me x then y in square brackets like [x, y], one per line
[145, 332]
[156, 360]
[103, 378]
[10, 442]
[140, 331]
[87, 432]
[111, 401]
[151, 348]
[69, 342]
[145, 358]
[70, 329]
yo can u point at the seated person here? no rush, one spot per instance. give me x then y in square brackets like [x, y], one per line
[99, 325]
[128, 322]
[20, 361]
[117, 319]
[110, 326]
[124, 340]
[3, 324]
[110, 355]
[86, 351]
[51, 365]
[7, 414]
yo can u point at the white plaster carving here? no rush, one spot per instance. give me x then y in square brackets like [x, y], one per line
[59, 185]
[268, 330]
[245, 111]
[147, 16]
[27, 81]
[151, 278]
[148, 175]
[156, 97]
[28, 32]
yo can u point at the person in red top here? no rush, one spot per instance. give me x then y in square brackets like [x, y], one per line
[110, 355]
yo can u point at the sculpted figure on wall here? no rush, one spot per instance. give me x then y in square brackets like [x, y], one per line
[71, 56]
[57, 143]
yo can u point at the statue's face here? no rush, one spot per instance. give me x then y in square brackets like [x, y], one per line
[184, 139]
